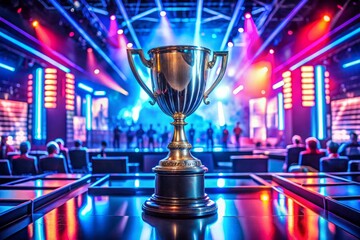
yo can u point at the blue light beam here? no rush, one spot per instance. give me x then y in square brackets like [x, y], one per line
[35, 52]
[350, 64]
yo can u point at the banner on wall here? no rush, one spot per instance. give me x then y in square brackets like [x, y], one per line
[79, 128]
[100, 108]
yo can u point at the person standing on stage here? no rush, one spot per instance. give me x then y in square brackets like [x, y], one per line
[140, 137]
[116, 140]
[129, 137]
[150, 134]
[192, 134]
[210, 137]
[237, 132]
[225, 137]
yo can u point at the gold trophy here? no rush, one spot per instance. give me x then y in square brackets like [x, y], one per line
[179, 75]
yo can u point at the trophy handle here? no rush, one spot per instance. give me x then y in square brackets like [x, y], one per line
[147, 63]
[211, 64]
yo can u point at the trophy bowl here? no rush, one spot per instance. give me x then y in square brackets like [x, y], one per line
[178, 77]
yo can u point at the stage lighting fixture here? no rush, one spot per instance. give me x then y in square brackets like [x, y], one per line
[99, 93]
[96, 71]
[326, 18]
[35, 23]
[71, 34]
[85, 87]
[230, 44]
[214, 35]
[112, 17]
[163, 13]
[129, 45]
[120, 31]
[76, 4]
[240, 30]
[352, 63]
[7, 67]
[247, 15]
[290, 32]
[271, 51]
[72, 9]
[19, 10]
[89, 50]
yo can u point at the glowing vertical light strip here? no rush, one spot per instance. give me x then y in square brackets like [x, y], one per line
[88, 112]
[320, 101]
[221, 114]
[281, 111]
[38, 103]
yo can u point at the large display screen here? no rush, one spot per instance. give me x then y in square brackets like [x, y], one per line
[100, 113]
[345, 117]
[13, 121]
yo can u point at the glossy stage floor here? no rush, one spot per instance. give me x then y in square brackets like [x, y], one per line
[250, 206]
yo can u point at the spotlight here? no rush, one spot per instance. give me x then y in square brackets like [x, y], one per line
[213, 35]
[76, 4]
[247, 15]
[264, 70]
[129, 45]
[120, 31]
[96, 71]
[89, 50]
[271, 51]
[163, 13]
[263, 92]
[230, 44]
[19, 10]
[35, 24]
[240, 30]
[72, 9]
[290, 32]
[71, 34]
[326, 18]
[112, 17]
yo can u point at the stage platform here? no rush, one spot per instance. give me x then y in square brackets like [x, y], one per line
[250, 206]
[220, 157]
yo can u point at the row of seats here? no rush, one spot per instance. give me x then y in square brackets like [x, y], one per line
[317, 162]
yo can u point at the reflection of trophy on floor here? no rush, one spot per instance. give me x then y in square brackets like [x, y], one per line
[179, 75]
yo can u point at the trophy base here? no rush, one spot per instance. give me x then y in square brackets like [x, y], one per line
[179, 193]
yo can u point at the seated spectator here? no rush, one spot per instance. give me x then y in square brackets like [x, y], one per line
[311, 156]
[24, 163]
[78, 145]
[293, 152]
[351, 147]
[296, 142]
[53, 162]
[103, 149]
[333, 162]
[64, 151]
[5, 147]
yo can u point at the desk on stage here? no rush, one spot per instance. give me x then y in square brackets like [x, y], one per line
[250, 206]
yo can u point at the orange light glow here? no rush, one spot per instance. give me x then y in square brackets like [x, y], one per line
[50, 94]
[35, 24]
[326, 18]
[50, 70]
[50, 88]
[50, 105]
[264, 197]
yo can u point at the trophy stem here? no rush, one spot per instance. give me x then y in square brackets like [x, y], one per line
[179, 147]
[179, 181]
